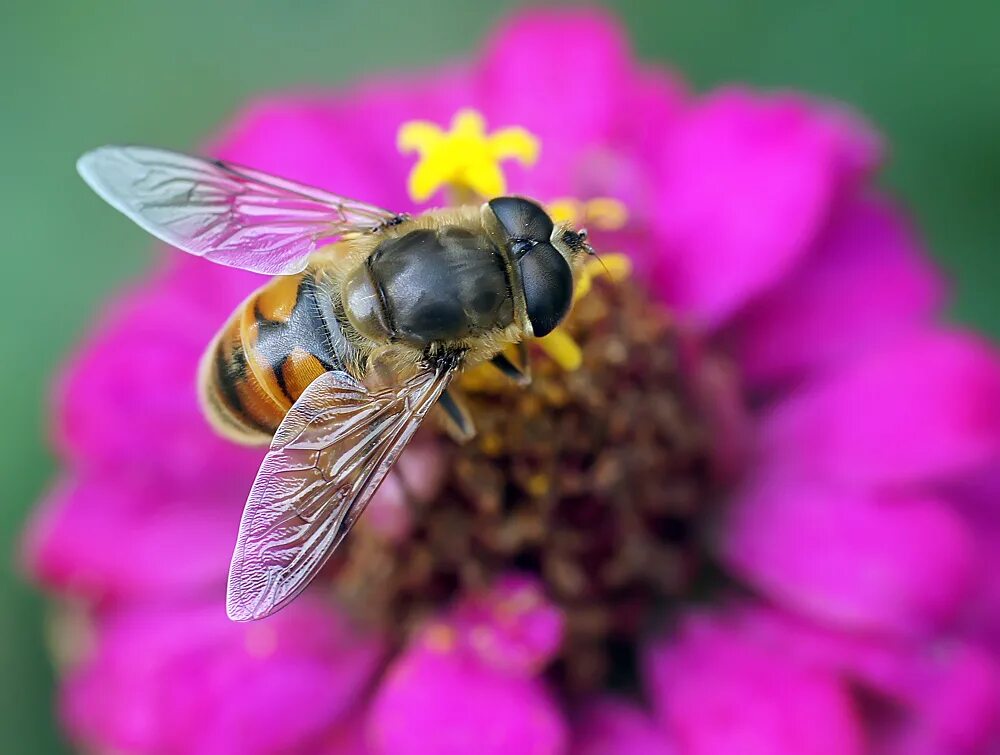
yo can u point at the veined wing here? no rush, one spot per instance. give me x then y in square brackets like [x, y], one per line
[328, 457]
[231, 215]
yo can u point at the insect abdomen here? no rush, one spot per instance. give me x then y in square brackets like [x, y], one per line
[276, 343]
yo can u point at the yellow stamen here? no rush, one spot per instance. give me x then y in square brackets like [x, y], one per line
[602, 213]
[565, 210]
[465, 158]
[617, 267]
[559, 344]
[605, 213]
[562, 349]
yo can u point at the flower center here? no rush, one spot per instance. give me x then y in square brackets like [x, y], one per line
[591, 478]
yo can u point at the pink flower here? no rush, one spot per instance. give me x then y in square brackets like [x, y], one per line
[856, 443]
[155, 672]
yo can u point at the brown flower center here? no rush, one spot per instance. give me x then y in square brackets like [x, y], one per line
[590, 479]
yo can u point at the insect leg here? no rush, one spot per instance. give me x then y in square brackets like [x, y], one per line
[519, 373]
[459, 425]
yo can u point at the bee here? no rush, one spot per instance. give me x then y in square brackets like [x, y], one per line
[336, 361]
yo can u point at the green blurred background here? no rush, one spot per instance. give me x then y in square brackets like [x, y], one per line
[78, 74]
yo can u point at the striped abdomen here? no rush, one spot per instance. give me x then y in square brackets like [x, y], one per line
[278, 341]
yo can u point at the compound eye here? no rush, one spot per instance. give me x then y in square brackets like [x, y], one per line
[548, 287]
[521, 248]
[522, 219]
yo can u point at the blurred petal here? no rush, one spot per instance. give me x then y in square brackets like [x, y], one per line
[436, 700]
[417, 476]
[899, 565]
[747, 182]
[563, 93]
[568, 78]
[953, 696]
[865, 284]
[346, 143]
[128, 399]
[926, 408]
[190, 680]
[511, 627]
[977, 498]
[937, 696]
[610, 727]
[102, 538]
[718, 694]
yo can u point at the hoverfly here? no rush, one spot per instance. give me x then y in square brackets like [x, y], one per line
[339, 357]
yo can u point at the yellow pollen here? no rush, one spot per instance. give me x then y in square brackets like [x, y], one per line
[464, 158]
[538, 485]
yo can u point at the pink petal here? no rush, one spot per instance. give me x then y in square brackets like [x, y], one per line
[609, 727]
[511, 627]
[128, 400]
[345, 143]
[348, 738]
[189, 680]
[977, 497]
[597, 116]
[436, 700]
[747, 183]
[719, 693]
[551, 88]
[921, 696]
[927, 408]
[867, 282]
[103, 538]
[417, 476]
[953, 699]
[901, 564]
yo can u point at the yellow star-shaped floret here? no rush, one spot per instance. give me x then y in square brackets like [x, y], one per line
[464, 158]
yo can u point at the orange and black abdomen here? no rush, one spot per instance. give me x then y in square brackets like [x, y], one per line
[275, 344]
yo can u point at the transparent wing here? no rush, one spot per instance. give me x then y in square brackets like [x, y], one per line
[231, 215]
[328, 457]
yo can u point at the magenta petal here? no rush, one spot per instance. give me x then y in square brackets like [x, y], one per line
[436, 700]
[128, 401]
[101, 538]
[511, 627]
[611, 727]
[345, 143]
[929, 696]
[901, 564]
[953, 698]
[579, 78]
[977, 497]
[867, 282]
[747, 182]
[601, 117]
[299, 137]
[926, 408]
[417, 477]
[190, 680]
[718, 694]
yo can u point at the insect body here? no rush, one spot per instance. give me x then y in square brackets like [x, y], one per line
[338, 359]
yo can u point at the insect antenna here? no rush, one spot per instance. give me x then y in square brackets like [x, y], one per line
[591, 251]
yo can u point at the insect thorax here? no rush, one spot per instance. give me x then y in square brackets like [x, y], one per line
[431, 284]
